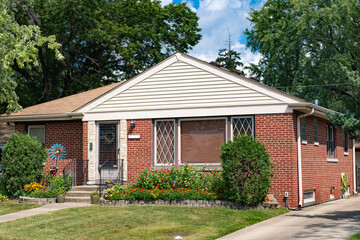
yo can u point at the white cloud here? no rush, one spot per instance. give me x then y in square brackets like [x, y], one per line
[216, 17]
[166, 2]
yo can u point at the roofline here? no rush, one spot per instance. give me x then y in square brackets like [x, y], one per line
[42, 117]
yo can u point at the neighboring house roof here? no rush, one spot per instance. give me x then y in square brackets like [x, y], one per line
[65, 105]
[5, 132]
[179, 86]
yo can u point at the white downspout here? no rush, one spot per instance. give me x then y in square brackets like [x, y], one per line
[299, 154]
[354, 166]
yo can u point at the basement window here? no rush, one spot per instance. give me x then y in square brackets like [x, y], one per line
[309, 197]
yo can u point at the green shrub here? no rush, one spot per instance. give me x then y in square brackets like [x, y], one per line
[246, 170]
[43, 193]
[3, 198]
[132, 194]
[186, 176]
[22, 162]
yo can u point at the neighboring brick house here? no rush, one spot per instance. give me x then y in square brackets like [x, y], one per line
[5, 132]
[183, 110]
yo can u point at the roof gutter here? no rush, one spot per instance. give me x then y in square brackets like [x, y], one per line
[299, 154]
[42, 117]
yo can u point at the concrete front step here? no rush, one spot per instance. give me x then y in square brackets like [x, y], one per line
[81, 194]
[87, 188]
[78, 194]
[78, 199]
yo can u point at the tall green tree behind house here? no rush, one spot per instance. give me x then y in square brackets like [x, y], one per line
[229, 58]
[19, 45]
[102, 42]
[311, 49]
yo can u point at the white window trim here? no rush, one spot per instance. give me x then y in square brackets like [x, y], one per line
[155, 141]
[316, 143]
[195, 119]
[37, 126]
[346, 153]
[309, 200]
[231, 123]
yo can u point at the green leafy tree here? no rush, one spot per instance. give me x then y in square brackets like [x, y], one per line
[19, 46]
[22, 161]
[102, 42]
[230, 59]
[311, 49]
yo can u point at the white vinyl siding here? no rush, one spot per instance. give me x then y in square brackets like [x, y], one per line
[183, 86]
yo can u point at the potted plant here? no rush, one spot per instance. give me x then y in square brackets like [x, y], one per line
[109, 183]
[60, 197]
[95, 198]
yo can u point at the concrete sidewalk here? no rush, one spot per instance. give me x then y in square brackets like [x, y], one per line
[338, 219]
[40, 210]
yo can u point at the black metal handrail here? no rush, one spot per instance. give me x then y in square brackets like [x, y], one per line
[77, 170]
[110, 169]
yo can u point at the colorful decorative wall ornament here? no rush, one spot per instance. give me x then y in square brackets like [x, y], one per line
[57, 152]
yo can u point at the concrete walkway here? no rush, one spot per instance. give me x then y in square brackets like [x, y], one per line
[338, 219]
[40, 210]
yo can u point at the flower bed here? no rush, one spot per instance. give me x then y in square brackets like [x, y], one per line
[174, 183]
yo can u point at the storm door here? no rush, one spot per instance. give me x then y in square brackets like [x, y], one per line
[109, 152]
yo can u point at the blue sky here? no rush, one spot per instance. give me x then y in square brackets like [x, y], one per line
[216, 18]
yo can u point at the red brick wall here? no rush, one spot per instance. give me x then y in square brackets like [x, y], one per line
[278, 134]
[70, 135]
[139, 151]
[318, 174]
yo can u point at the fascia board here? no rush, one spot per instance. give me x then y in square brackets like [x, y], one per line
[43, 117]
[184, 113]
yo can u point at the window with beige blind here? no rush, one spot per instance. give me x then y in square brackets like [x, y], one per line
[200, 140]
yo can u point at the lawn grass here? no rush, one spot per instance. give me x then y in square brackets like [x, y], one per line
[133, 222]
[355, 237]
[11, 207]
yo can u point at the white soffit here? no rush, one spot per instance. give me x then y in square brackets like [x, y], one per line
[182, 82]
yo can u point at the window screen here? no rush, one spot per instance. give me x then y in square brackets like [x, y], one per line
[201, 140]
[346, 143]
[38, 132]
[303, 129]
[165, 142]
[330, 141]
[108, 143]
[316, 138]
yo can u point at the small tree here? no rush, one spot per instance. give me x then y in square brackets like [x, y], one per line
[246, 170]
[22, 162]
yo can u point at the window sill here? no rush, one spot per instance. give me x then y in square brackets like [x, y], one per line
[332, 160]
[304, 142]
[346, 153]
[207, 166]
[316, 143]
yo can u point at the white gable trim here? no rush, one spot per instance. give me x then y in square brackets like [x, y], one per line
[194, 112]
[196, 63]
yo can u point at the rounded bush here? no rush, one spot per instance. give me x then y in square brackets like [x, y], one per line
[23, 159]
[246, 170]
